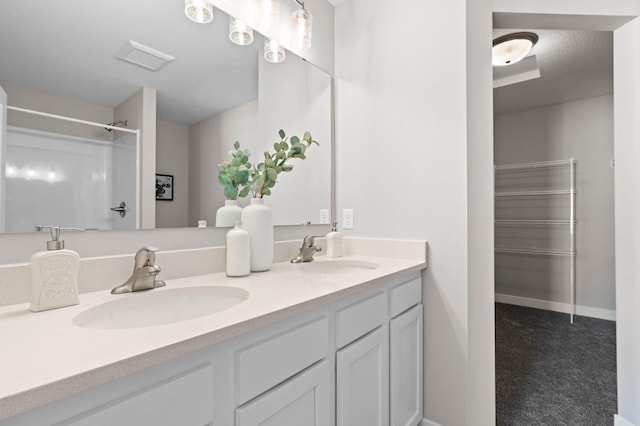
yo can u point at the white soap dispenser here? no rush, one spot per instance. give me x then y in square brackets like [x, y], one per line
[54, 275]
[334, 242]
[238, 252]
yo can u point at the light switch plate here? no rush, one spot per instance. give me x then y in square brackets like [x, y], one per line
[324, 216]
[347, 219]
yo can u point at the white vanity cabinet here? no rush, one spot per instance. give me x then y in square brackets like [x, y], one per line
[362, 381]
[356, 361]
[378, 340]
[405, 359]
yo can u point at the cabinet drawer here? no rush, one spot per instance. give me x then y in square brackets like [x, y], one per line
[405, 296]
[271, 361]
[304, 400]
[183, 399]
[359, 318]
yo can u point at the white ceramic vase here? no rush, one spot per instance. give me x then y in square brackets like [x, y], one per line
[228, 214]
[238, 252]
[258, 221]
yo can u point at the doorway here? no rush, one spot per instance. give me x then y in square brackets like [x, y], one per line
[553, 136]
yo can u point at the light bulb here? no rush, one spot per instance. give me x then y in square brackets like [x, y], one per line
[273, 52]
[239, 32]
[269, 12]
[301, 23]
[199, 11]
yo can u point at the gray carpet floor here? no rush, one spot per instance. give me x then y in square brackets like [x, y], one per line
[549, 372]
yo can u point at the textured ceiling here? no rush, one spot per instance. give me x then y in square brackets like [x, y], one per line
[573, 65]
[68, 48]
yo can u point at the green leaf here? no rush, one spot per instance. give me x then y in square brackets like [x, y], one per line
[277, 147]
[282, 134]
[260, 167]
[294, 140]
[267, 191]
[287, 168]
[236, 145]
[307, 136]
[230, 192]
[273, 175]
[242, 177]
[244, 192]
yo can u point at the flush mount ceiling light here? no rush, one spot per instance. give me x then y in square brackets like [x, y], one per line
[273, 52]
[301, 22]
[511, 48]
[200, 11]
[239, 32]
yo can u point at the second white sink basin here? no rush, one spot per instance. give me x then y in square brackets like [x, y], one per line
[338, 266]
[157, 307]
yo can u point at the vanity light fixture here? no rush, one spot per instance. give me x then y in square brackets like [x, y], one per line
[511, 48]
[273, 52]
[301, 21]
[269, 12]
[200, 11]
[239, 32]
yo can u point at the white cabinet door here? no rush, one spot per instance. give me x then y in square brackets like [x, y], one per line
[301, 401]
[362, 381]
[406, 368]
[186, 399]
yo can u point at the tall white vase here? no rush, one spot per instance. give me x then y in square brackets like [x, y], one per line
[228, 214]
[258, 221]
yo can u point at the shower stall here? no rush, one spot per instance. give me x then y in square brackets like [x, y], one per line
[57, 179]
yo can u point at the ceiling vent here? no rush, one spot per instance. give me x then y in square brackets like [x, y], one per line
[143, 56]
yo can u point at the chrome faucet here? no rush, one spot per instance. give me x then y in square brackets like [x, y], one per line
[144, 273]
[307, 250]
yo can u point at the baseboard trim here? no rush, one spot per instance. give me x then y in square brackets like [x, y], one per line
[621, 421]
[426, 422]
[585, 311]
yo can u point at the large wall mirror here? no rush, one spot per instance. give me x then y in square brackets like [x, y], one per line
[63, 59]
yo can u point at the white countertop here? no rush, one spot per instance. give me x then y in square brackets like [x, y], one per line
[45, 357]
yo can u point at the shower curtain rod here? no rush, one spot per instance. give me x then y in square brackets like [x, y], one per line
[75, 120]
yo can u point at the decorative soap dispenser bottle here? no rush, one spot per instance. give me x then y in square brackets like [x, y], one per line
[238, 252]
[334, 242]
[54, 275]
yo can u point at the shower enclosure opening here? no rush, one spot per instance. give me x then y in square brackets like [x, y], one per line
[57, 179]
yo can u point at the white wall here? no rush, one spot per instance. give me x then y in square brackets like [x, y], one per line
[23, 97]
[627, 212]
[296, 96]
[210, 142]
[172, 158]
[402, 164]
[140, 111]
[582, 130]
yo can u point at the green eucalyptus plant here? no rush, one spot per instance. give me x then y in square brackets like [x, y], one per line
[264, 175]
[235, 174]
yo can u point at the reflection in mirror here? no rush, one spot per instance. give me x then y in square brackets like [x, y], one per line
[197, 104]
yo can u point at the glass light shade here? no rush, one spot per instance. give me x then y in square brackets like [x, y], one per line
[269, 12]
[273, 52]
[511, 51]
[301, 23]
[200, 11]
[239, 32]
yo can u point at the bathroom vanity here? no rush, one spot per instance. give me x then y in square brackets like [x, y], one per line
[335, 341]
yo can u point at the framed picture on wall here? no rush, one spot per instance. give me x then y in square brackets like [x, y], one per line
[164, 187]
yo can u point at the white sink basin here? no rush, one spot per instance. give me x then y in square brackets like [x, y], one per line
[157, 307]
[338, 266]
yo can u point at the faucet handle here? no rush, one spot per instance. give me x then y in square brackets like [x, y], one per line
[309, 240]
[146, 256]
